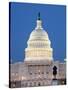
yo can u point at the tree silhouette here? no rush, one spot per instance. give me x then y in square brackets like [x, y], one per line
[55, 71]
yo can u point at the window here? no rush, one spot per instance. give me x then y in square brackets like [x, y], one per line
[47, 72]
[38, 72]
[39, 84]
[34, 83]
[35, 73]
[30, 84]
[42, 72]
[25, 84]
[30, 73]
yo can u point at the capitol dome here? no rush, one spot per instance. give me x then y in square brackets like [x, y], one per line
[38, 44]
[38, 34]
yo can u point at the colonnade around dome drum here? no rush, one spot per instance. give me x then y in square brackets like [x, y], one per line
[39, 52]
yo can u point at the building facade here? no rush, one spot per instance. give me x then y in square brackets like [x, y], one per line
[39, 67]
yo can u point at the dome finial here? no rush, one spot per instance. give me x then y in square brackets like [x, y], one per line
[39, 16]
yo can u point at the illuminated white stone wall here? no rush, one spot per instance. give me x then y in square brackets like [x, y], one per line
[32, 73]
[31, 70]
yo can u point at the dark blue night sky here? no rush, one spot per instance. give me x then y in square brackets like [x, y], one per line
[23, 20]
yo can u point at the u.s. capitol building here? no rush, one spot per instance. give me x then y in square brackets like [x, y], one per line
[39, 67]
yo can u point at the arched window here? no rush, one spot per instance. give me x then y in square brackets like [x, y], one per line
[39, 84]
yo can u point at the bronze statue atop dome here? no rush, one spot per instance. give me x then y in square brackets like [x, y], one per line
[39, 16]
